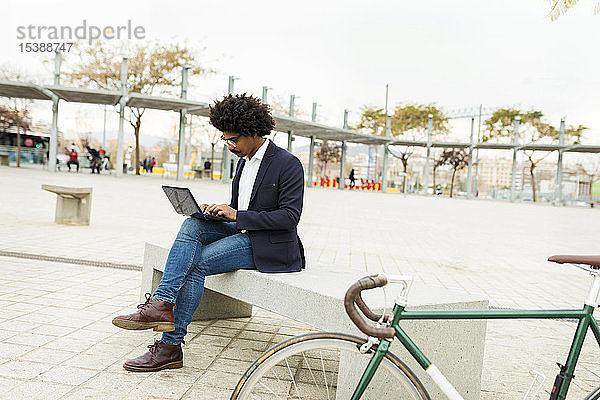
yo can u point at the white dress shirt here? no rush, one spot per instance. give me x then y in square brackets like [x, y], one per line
[249, 176]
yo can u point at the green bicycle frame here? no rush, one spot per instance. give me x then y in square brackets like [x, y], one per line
[584, 316]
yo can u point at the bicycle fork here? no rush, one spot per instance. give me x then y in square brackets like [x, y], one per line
[414, 351]
[371, 368]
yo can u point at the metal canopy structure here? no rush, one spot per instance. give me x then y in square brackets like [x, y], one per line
[541, 147]
[289, 124]
[23, 90]
[161, 103]
[451, 145]
[322, 132]
[580, 148]
[494, 146]
[399, 142]
[83, 95]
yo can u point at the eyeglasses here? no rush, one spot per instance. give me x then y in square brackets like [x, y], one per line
[231, 141]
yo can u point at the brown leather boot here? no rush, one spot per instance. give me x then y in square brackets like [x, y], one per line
[160, 356]
[153, 314]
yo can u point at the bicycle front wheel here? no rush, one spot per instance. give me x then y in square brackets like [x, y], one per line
[325, 366]
[594, 395]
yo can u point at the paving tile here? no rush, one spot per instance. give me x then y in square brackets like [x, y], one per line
[188, 374]
[7, 384]
[207, 393]
[46, 355]
[91, 361]
[83, 393]
[23, 369]
[10, 350]
[156, 388]
[31, 339]
[53, 330]
[87, 334]
[219, 379]
[37, 390]
[123, 381]
[72, 322]
[18, 326]
[36, 318]
[74, 345]
[72, 376]
[218, 331]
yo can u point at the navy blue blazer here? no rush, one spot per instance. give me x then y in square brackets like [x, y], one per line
[274, 211]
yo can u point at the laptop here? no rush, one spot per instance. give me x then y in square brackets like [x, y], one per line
[185, 204]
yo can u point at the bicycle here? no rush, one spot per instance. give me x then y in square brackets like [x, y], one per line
[341, 366]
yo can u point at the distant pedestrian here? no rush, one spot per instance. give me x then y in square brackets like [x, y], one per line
[145, 164]
[352, 179]
[94, 158]
[73, 159]
[152, 164]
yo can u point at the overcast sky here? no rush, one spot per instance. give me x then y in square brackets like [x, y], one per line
[341, 54]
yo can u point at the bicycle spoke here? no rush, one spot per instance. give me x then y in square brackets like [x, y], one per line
[324, 376]
[283, 374]
[313, 375]
[293, 380]
[269, 389]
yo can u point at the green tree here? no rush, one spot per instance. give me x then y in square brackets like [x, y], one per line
[153, 69]
[560, 7]
[408, 122]
[532, 130]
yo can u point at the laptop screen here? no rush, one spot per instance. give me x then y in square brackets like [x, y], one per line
[182, 200]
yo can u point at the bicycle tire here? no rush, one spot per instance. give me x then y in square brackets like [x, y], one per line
[301, 350]
[595, 395]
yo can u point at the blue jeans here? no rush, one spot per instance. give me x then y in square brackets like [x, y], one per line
[202, 248]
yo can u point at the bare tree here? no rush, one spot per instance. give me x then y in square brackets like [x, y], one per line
[438, 161]
[590, 167]
[19, 119]
[19, 108]
[457, 159]
[328, 153]
[153, 68]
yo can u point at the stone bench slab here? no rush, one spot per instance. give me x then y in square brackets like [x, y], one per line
[73, 205]
[315, 297]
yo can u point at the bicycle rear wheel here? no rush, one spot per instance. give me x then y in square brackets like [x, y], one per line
[324, 366]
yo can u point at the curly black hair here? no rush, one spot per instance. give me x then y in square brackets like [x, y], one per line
[242, 114]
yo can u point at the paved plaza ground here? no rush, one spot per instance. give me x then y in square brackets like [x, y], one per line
[56, 339]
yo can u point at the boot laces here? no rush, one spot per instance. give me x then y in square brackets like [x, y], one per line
[142, 306]
[153, 347]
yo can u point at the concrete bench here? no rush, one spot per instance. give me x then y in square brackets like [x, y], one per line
[171, 169]
[73, 205]
[5, 159]
[315, 297]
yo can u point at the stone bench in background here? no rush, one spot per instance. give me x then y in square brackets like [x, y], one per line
[315, 297]
[5, 159]
[73, 205]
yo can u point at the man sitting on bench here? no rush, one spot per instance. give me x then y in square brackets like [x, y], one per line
[266, 204]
